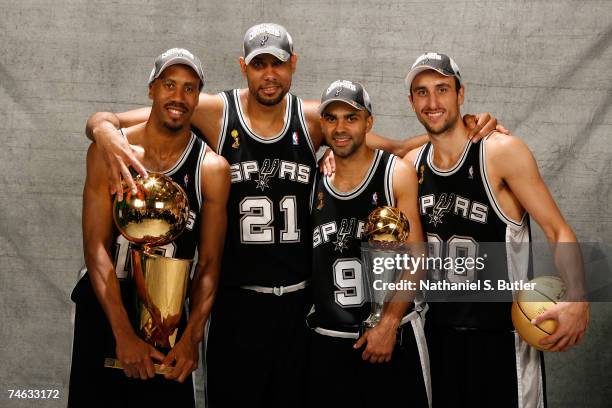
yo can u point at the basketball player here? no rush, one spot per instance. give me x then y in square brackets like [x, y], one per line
[257, 335]
[383, 366]
[102, 295]
[471, 194]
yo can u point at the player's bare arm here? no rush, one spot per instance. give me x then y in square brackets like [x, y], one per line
[518, 184]
[119, 155]
[134, 354]
[381, 339]
[215, 184]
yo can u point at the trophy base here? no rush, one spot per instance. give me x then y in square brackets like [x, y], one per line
[114, 363]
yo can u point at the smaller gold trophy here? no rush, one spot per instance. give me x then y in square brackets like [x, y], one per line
[151, 218]
[386, 230]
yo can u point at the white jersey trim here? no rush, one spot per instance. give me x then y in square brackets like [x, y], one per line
[223, 132]
[254, 135]
[198, 174]
[389, 180]
[361, 187]
[530, 386]
[455, 168]
[304, 125]
[491, 194]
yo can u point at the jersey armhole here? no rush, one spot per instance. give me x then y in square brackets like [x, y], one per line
[491, 193]
[304, 124]
[198, 174]
[223, 131]
[313, 189]
[419, 155]
[389, 180]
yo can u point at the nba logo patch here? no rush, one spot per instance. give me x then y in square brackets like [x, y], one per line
[375, 198]
[471, 173]
[294, 137]
[186, 180]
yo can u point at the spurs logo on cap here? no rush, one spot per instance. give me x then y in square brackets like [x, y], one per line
[342, 84]
[428, 56]
[338, 90]
[264, 40]
[264, 28]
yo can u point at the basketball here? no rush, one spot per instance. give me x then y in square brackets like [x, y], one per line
[529, 304]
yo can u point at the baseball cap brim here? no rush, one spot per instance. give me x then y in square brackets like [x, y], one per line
[332, 100]
[417, 70]
[174, 61]
[282, 55]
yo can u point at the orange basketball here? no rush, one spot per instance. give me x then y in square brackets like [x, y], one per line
[529, 304]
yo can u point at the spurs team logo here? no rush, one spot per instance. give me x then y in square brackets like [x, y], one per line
[264, 40]
[267, 170]
[456, 205]
[343, 230]
[443, 205]
[346, 227]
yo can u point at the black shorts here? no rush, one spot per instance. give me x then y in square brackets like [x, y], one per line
[257, 349]
[475, 368]
[93, 385]
[339, 377]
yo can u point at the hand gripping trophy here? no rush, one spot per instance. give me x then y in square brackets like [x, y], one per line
[386, 230]
[152, 217]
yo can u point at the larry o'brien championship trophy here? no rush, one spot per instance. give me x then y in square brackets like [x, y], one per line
[152, 217]
[386, 230]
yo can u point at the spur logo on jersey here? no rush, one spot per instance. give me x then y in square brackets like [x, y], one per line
[343, 234]
[349, 228]
[269, 169]
[454, 204]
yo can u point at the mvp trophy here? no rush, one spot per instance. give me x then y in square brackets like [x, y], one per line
[152, 217]
[386, 230]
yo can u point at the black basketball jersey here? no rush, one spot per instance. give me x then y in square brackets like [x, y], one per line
[186, 172]
[268, 206]
[338, 220]
[459, 213]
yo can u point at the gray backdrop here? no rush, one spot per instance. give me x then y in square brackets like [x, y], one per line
[541, 67]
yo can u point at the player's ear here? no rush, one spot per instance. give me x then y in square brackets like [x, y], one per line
[243, 66]
[293, 60]
[370, 123]
[411, 101]
[461, 95]
[151, 90]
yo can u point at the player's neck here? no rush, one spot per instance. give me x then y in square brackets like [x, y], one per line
[351, 170]
[449, 146]
[264, 120]
[162, 147]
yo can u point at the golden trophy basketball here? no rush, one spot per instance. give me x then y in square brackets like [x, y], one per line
[386, 230]
[150, 219]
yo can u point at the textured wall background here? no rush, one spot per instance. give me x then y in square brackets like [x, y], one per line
[543, 68]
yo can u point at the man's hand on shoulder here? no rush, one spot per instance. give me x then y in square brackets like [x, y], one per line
[481, 124]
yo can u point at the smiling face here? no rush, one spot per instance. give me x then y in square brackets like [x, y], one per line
[175, 94]
[345, 128]
[268, 78]
[436, 101]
